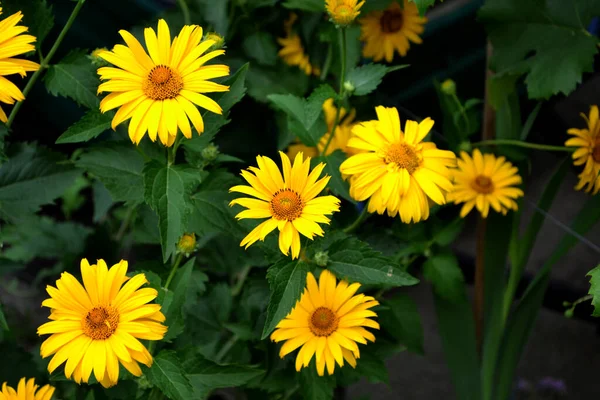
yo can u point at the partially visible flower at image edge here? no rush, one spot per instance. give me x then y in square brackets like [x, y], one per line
[485, 180]
[96, 327]
[160, 92]
[13, 43]
[26, 390]
[290, 202]
[292, 52]
[343, 12]
[587, 141]
[327, 322]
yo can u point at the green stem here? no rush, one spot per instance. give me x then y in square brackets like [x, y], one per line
[125, 223]
[359, 220]
[519, 143]
[186, 12]
[45, 61]
[336, 122]
[327, 63]
[173, 270]
[240, 282]
[462, 111]
[225, 349]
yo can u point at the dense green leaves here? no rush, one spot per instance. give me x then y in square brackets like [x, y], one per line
[338, 186]
[366, 78]
[173, 311]
[168, 375]
[402, 320]
[74, 77]
[315, 387]
[261, 47]
[423, 5]
[92, 124]
[3, 323]
[445, 275]
[595, 289]
[305, 5]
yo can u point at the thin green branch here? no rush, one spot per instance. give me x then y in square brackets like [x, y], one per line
[185, 10]
[519, 143]
[359, 220]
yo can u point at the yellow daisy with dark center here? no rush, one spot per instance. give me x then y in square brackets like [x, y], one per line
[13, 43]
[343, 12]
[292, 51]
[97, 326]
[26, 390]
[385, 32]
[397, 171]
[483, 181]
[160, 92]
[587, 141]
[290, 202]
[327, 322]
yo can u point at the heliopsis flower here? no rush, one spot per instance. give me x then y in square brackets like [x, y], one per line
[26, 390]
[327, 322]
[485, 180]
[343, 132]
[391, 30]
[398, 171]
[343, 12]
[13, 43]
[160, 92]
[290, 202]
[97, 326]
[588, 152]
[292, 51]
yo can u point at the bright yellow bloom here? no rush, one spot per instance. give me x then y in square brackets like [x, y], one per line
[97, 326]
[160, 92]
[343, 132]
[26, 390]
[588, 152]
[485, 180]
[398, 171]
[291, 201]
[13, 43]
[343, 12]
[391, 30]
[328, 321]
[292, 52]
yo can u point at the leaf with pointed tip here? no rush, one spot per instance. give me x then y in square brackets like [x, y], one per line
[168, 375]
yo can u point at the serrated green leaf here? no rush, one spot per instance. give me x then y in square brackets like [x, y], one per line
[423, 5]
[167, 374]
[3, 323]
[102, 200]
[74, 77]
[206, 376]
[37, 16]
[91, 125]
[261, 47]
[403, 321]
[337, 184]
[179, 288]
[315, 387]
[3, 135]
[594, 289]
[305, 5]
[290, 104]
[445, 275]
[216, 14]
[263, 81]
[366, 78]
[212, 213]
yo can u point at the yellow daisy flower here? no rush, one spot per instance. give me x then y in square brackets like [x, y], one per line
[291, 201]
[391, 30]
[160, 91]
[292, 51]
[327, 322]
[97, 326]
[26, 390]
[343, 12]
[13, 43]
[485, 180]
[397, 171]
[588, 152]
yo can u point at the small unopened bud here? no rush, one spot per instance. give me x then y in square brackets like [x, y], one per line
[218, 39]
[144, 383]
[465, 146]
[187, 244]
[210, 152]
[321, 258]
[449, 87]
[349, 87]
[427, 252]
[569, 313]
[96, 59]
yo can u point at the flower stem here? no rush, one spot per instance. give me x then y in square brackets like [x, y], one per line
[173, 270]
[186, 12]
[359, 220]
[519, 143]
[327, 63]
[125, 223]
[226, 347]
[463, 112]
[45, 61]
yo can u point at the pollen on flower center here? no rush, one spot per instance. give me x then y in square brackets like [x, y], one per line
[162, 83]
[404, 156]
[286, 205]
[483, 184]
[323, 322]
[391, 21]
[596, 151]
[101, 322]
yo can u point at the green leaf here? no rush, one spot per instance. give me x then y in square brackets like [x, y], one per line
[37, 16]
[315, 387]
[102, 201]
[215, 13]
[337, 184]
[3, 323]
[530, 121]
[263, 81]
[403, 321]
[287, 280]
[423, 5]
[448, 232]
[594, 290]
[179, 288]
[91, 125]
[261, 47]
[3, 135]
[167, 374]
[445, 275]
[366, 78]
[212, 214]
[306, 5]
[74, 77]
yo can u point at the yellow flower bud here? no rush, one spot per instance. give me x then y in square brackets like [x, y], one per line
[187, 243]
[343, 12]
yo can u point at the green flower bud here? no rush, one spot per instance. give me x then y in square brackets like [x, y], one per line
[219, 40]
[187, 244]
[465, 146]
[449, 87]
[210, 152]
[321, 258]
[349, 87]
[98, 61]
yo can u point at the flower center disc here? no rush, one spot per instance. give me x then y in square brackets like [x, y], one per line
[404, 156]
[596, 151]
[391, 21]
[101, 322]
[162, 83]
[343, 13]
[483, 184]
[286, 205]
[323, 322]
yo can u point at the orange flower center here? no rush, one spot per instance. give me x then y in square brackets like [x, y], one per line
[404, 156]
[162, 83]
[596, 150]
[101, 322]
[391, 21]
[483, 184]
[323, 322]
[286, 205]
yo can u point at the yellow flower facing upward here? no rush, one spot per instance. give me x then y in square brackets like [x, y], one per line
[13, 43]
[483, 181]
[96, 327]
[26, 390]
[290, 202]
[385, 32]
[292, 52]
[160, 92]
[327, 322]
[398, 170]
[587, 141]
[343, 12]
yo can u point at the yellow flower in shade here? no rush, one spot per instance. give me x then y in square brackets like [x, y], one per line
[588, 153]
[391, 30]
[187, 243]
[290, 202]
[343, 12]
[327, 322]
[26, 390]
[13, 43]
[292, 51]
[343, 132]
[97, 326]
[160, 92]
[398, 171]
[483, 181]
